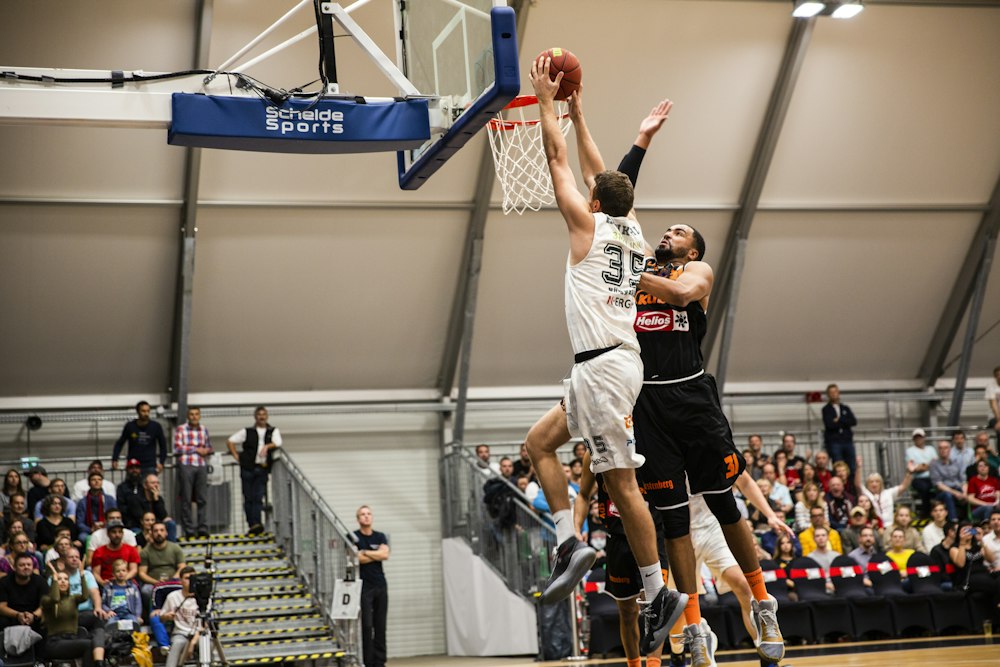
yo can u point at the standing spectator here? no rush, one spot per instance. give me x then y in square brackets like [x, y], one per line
[17, 513]
[82, 486]
[21, 595]
[373, 549]
[131, 485]
[991, 540]
[822, 468]
[258, 444]
[811, 499]
[933, 532]
[103, 559]
[58, 488]
[159, 561]
[867, 547]
[92, 510]
[52, 519]
[838, 422]
[901, 519]
[120, 596]
[99, 537]
[507, 469]
[882, 499]
[993, 399]
[817, 519]
[192, 447]
[66, 639]
[838, 505]
[961, 453]
[920, 455]
[150, 500]
[779, 492]
[181, 608]
[39, 486]
[483, 456]
[522, 466]
[11, 484]
[948, 478]
[146, 441]
[18, 545]
[982, 492]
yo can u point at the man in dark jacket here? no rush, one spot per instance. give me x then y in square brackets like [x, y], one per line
[149, 500]
[257, 444]
[838, 420]
[146, 441]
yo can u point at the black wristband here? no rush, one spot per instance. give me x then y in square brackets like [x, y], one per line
[631, 162]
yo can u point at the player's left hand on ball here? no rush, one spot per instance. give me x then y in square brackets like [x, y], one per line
[650, 266]
[545, 87]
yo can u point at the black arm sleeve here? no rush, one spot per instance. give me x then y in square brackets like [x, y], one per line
[631, 162]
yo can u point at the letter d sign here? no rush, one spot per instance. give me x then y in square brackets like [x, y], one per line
[346, 600]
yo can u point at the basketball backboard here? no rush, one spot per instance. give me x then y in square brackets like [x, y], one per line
[463, 52]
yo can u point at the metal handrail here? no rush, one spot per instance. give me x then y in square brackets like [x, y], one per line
[317, 498]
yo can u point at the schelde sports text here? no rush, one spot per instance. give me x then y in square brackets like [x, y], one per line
[311, 121]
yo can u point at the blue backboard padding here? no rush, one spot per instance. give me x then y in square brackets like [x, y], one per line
[298, 126]
[506, 86]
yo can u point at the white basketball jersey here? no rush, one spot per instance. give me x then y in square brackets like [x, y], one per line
[600, 290]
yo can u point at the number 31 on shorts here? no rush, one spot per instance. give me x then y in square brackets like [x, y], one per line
[732, 465]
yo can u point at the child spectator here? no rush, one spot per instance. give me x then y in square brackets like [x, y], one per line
[120, 596]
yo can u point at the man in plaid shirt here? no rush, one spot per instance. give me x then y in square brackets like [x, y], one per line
[192, 447]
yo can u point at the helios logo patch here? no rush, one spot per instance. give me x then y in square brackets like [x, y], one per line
[662, 320]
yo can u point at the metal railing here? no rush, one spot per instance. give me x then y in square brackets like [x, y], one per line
[319, 544]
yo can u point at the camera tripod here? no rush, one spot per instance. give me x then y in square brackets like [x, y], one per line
[207, 635]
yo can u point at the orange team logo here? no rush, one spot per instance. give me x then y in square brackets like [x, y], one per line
[732, 466]
[628, 421]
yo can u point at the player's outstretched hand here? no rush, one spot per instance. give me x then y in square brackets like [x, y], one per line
[779, 526]
[575, 102]
[652, 123]
[545, 88]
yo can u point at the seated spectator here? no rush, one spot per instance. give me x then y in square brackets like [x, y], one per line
[39, 488]
[811, 498]
[181, 608]
[130, 486]
[971, 572]
[18, 545]
[817, 518]
[982, 453]
[871, 517]
[757, 515]
[159, 561]
[755, 444]
[948, 478]
[103, 558]
[507, 469]
[483, 456]
[82, 486]
[842, 471]
[779, 492]
[527, 487]
[522, 466]
[21, 594]
[933, 532]
[52, 520]
[941, 555]
[58, 488]
[898, 552]
[911, 536]
[795, 462]
[991, 539]
[823, 554]
[851, 535]
[144, 535]
[11, 484]
[920, 455]
[752, 467]
[786, 550]
[150, 500]
[92, 613]
[91, 512]
[66, 639]
[865, 549]
[579, 449]
[120, 596]
[58, 552]
[982, 492]
[983, 438]
[99, 537]
[882, 499]
[821, 462]
[769, 540]
[16, 512]
[838, 505]
[780, 462]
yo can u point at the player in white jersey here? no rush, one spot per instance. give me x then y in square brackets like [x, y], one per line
[605, 261]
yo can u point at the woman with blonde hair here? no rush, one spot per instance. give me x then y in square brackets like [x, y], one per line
[883, 499]
[811, 497]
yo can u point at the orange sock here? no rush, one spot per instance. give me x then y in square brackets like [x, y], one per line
[634, 662]
[756, 581]
[653, 661]
[692, 612]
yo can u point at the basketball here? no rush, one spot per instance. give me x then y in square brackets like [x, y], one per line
[564, 61]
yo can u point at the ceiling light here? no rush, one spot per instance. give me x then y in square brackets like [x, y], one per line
[848, 10]
[804, 9]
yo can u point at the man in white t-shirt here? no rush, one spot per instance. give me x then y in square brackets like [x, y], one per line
[82, 487]
[993, 399]
[181, 608]
[991, 541]
[921, 456]
[933, 532]
[257, 443]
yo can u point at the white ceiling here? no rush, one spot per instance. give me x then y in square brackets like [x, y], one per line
[319, 273]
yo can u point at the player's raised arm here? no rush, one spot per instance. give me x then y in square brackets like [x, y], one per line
[591, 162]
[571, 202]
[648, 128]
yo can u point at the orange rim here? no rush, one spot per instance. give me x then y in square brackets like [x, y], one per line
[499, 124]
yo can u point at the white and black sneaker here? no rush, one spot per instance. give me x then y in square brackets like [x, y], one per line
[701, 644]
[769, 642]
[659, 616]
[573, 560]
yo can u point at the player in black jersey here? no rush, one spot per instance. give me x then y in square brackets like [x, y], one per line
[680, 427]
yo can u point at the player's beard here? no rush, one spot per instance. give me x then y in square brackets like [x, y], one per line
[664, 255]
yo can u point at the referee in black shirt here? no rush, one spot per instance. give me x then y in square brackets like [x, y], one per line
[373, 548]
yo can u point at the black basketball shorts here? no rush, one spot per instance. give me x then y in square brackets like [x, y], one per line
[622, 578]
[681, 428]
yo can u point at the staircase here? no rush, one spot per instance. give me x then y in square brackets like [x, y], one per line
[265, 614]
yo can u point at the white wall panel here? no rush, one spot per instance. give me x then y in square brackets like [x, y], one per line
[86, 295]
[986, 352]
[319, 299]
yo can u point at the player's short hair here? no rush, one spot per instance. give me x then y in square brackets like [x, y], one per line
[699, 242]
[614, 190]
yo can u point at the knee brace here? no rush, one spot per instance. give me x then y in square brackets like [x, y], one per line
[723, 506]
[676, 522]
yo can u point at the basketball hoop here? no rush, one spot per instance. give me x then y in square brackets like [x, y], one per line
[519, 156]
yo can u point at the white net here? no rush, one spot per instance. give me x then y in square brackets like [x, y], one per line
[519, 156]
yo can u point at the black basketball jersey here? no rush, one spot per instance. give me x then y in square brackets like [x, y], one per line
[607, 511]
[669, 336]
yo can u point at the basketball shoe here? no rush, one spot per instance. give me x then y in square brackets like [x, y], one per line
[701, 644]
[769, 642]
[659, 616]
[573, 560]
